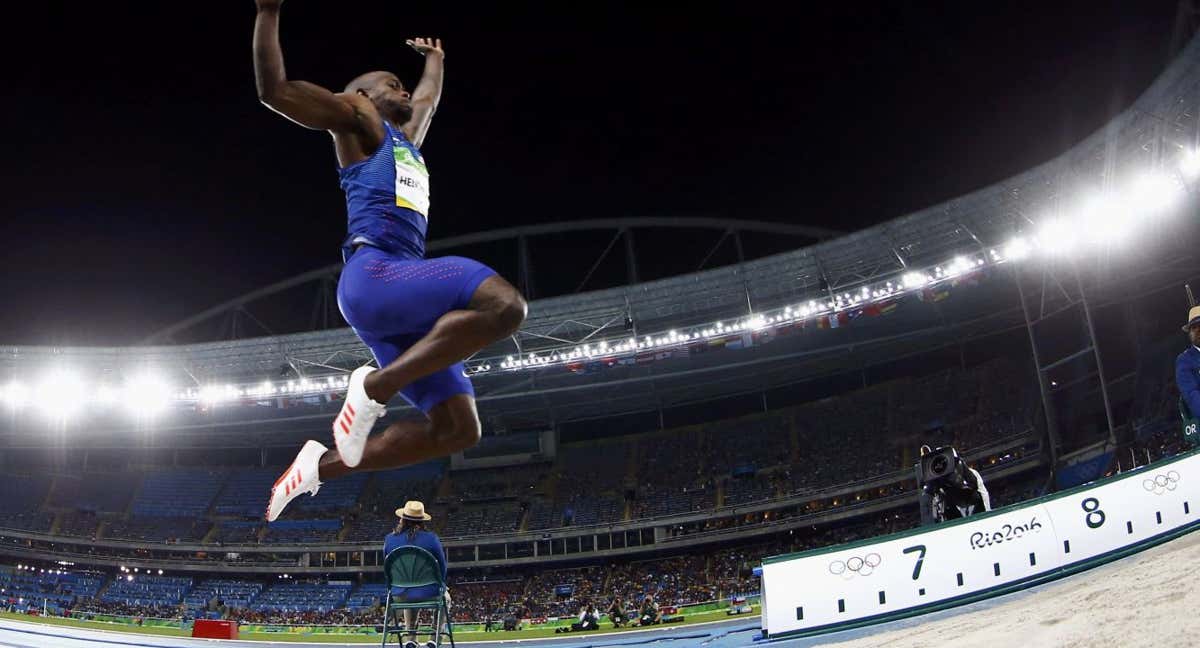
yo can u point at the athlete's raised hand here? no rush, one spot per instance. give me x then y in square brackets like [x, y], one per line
[428, 91]
[424, 45]
[268, 4]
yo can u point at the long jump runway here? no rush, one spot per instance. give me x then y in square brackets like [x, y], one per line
[1141, 600]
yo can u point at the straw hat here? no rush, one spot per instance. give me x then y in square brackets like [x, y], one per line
[413, 510]
[1193, 318]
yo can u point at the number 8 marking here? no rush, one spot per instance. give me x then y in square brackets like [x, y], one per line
[1092, 506]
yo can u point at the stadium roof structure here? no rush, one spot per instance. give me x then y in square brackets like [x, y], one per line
[1160, 127]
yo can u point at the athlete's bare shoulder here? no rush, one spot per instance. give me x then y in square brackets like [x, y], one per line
[360, 142]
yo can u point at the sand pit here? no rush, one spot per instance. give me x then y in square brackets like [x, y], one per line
[1142, 600]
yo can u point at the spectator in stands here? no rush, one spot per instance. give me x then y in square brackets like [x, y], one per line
[649, 615]
[411, 531]
[1187, 365]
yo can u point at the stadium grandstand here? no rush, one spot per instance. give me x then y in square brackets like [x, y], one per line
[658, 438]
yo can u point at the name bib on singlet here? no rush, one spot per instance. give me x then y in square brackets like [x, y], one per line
[412, 179]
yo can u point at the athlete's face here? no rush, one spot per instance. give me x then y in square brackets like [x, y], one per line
[391, 98]
[1194, 334]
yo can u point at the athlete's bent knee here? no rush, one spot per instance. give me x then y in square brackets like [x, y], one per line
[465, 433]
[510, 313]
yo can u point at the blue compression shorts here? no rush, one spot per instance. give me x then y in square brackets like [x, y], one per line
[393, 301]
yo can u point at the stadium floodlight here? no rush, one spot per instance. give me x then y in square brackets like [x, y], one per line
[1104, 219]
[211, 394]
[265, 388]
[59, 395]
[14, 394]
[1057, 236]
[960, 265]
[217, 394]
[107, 395]
[1016, 249]
[147, 395]
[1189, 164]
[914, 279]
[1153, 193]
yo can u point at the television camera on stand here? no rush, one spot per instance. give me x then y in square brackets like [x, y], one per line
[950, 489]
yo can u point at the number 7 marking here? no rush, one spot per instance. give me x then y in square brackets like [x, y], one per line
[920, 559]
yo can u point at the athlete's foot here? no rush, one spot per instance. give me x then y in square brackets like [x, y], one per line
[358, 416]
[300, 477]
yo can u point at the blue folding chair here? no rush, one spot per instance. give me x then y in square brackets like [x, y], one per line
[415, 567]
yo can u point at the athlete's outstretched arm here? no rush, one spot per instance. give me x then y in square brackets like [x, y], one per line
[305, 103]
[428, 92]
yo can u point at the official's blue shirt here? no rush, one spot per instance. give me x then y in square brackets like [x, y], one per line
[426, 540]
[1187, 377]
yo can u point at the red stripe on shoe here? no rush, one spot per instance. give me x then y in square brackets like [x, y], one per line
[284, 475]
[345, 428]
[349, 408]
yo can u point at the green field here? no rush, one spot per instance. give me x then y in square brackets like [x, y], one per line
[528, 633]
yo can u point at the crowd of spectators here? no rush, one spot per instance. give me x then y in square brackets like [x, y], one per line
[837, 440]
[534, 592]
[804, 449]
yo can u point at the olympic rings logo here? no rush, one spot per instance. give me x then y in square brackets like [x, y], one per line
[864, 566]
[1162, 483]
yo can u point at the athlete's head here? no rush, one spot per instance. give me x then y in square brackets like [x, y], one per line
[1194, 334]
[387, 92]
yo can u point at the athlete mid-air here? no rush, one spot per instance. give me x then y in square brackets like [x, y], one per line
[420, 317]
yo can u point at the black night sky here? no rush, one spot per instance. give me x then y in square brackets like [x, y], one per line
[143, 182]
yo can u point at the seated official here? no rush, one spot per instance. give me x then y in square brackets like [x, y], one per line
[1187, 368]
[411, 531]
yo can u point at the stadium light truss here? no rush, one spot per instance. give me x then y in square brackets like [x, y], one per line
[1101, 220]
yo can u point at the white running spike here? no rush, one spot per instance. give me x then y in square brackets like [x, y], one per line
[301, 477]
[353, 424]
